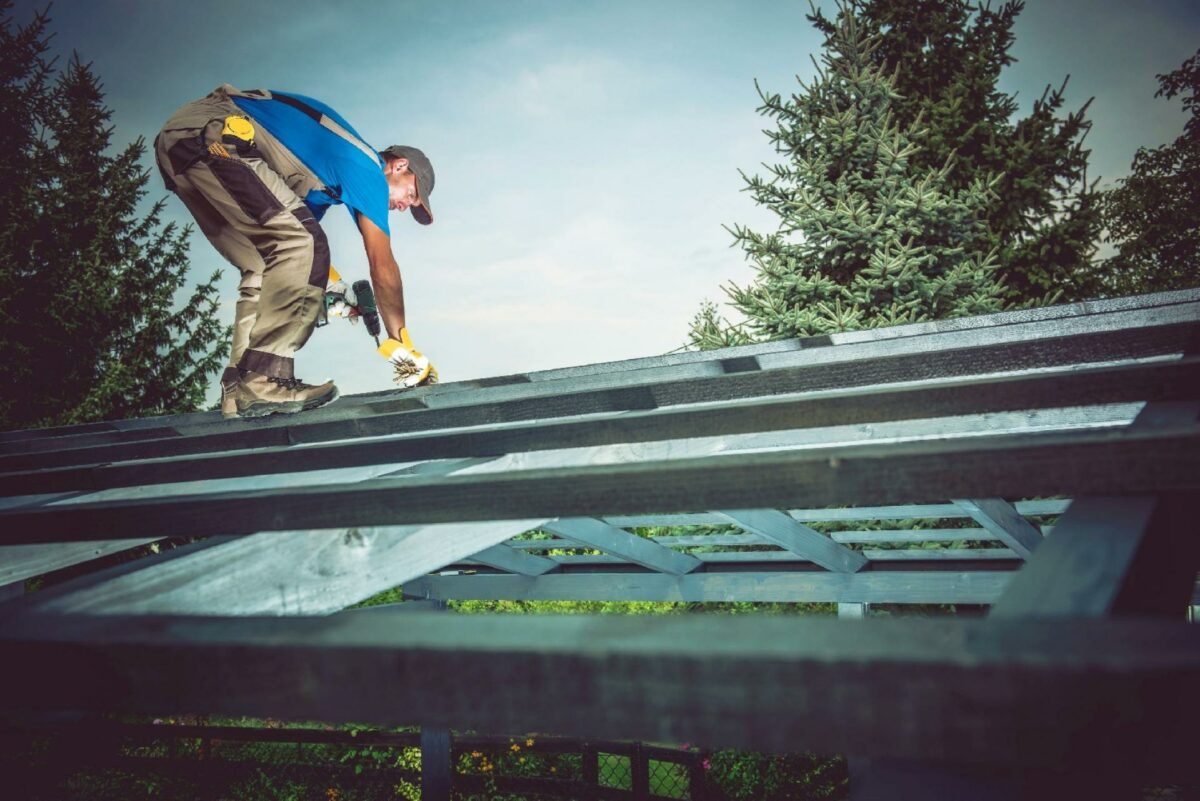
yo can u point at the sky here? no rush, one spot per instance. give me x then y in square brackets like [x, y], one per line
[587, 153]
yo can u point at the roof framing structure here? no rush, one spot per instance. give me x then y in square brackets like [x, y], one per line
[1042, 462]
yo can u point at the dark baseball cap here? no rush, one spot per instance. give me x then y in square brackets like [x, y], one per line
[418, 162]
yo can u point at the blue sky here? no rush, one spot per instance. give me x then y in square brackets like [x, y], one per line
[587, 153]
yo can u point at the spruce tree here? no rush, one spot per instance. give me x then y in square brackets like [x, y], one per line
[947, 56]
[91, 323]
[1153, 216]
[867, 235]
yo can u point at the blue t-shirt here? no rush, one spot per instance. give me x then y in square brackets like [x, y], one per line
[352, 177]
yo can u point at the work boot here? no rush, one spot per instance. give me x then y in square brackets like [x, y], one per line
[258, 395]
[229, 401]
[229, 384]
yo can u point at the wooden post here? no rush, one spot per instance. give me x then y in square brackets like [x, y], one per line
[853, 611]
[697, 777]
[436, 770]
[639, 772]
[857, 768]
[591, 769]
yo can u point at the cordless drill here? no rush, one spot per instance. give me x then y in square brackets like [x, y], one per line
[354, 302]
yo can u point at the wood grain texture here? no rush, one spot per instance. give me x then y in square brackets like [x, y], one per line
[192, 421]
[908, 511]
[979, 586]
[1166, 459]
[1004, 522]
[901, 365]
[797, 538]
[597, 534]
[511, 560]
[382, 402]
[281, 573]
[1111, 556]
[1063, 387]
[1002, 692]
[19, 562]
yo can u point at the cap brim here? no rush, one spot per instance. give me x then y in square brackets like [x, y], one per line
[421, 214]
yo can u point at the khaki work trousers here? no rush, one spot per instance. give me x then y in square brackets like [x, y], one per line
[254, 219]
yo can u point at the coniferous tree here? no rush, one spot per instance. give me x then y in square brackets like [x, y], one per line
[867, 235]
[1153, 216]
[947, 56]
[90, 323]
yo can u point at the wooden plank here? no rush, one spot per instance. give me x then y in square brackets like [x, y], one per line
[639, 773]
[1111, 556]
[1008, 525]
[710, 360]
[1027, 693]
[594, 533]
[280, 573]
[271, 481]
[852, 611]
[1043, 313]
[810, 409]
[543, 545]
[677, 449]
[1166, 459]
[918, 535]
[897, 587]
[436, 770]
[860, 365]
[788, 557]
[849, 514]
[1025, 333]
[503, 557]
[939, 554]
[190, 420]
[1130, 555]
[874, 554]
[19, 562]
[797, 538]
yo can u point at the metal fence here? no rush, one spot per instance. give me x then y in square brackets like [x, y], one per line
[190, 760]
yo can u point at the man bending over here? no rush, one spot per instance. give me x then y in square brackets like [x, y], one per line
[258, 169]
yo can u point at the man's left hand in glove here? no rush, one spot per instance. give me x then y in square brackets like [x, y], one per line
[413, 368]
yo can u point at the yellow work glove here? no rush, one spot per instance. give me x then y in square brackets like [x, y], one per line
[413, 368]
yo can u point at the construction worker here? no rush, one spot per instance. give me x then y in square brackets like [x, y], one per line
[258, 169]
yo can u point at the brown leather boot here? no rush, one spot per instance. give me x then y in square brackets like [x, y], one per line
[258, 395]
[229, 400]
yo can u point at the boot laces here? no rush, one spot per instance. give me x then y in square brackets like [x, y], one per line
[287, 383]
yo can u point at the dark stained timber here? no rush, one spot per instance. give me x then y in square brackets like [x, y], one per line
[891, 587]
[1033, 693]
[1164, 459]
[1108, 384]
[376, 402]
[1075, 349]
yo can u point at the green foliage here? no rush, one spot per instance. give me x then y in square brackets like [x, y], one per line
[89, 323]
[747, 776]
[868, 234]
[1043, 216]
[1153, 216]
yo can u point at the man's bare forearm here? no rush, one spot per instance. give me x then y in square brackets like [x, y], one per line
[389, 292]
[385, 276]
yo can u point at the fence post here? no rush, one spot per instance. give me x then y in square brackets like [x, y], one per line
[639, 770]
[697, 777]
[590, 759]
[436, 770]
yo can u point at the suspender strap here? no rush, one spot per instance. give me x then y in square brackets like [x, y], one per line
[326, 122]
[299, 105]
